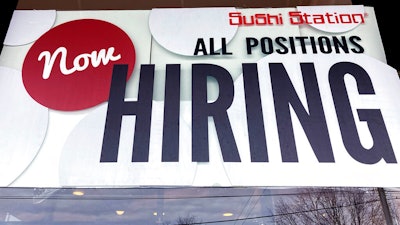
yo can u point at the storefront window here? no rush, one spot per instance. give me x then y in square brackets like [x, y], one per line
[195, 205]
[61, 156]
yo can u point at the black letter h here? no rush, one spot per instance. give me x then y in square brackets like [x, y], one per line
[118, 107]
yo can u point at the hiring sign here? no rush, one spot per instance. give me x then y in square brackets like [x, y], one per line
[211, 96]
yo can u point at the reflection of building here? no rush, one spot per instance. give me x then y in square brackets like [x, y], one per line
[191, 205]
[143, 205]
[10, 218]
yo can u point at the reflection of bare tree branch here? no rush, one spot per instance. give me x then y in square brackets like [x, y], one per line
[186, 220]
[190, 220]
[334, 206]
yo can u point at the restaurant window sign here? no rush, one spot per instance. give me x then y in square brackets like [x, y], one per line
[298, 96]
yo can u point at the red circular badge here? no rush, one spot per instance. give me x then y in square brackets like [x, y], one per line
[70, 67]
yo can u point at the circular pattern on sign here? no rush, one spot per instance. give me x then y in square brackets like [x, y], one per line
[70, 67]
[80, 159]
[23, 125]
[178, 30]
[26, 26]
[337, 19]
[308, 171]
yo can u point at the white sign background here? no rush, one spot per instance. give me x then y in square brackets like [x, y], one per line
[69, 155]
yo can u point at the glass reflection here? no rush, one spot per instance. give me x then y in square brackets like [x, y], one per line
[195, 205]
